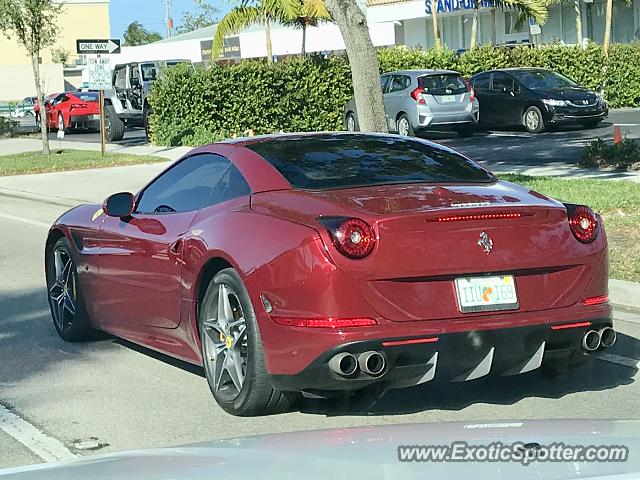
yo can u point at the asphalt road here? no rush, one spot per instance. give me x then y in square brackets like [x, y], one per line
[116, 396]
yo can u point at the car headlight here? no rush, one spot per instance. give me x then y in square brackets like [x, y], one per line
[552, 102]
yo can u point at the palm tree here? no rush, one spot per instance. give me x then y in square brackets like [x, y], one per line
[310, 13]
[535, 9]
[434, 22]
[247, 14]
[607, 28]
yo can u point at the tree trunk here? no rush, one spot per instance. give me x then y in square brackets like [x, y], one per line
[434, 20]
[35, 63]
[576, 6]
[474, 27]
[607, 27]
[267, 31]
[304, 38]
[365, 69]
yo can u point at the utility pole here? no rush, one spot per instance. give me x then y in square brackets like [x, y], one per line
[167, 17]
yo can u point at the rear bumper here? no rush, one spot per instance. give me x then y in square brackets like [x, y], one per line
[428, 119]
[85, 121]
[460, 356]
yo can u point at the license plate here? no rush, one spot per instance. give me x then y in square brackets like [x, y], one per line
[448, 98]
[93, 117]
[484, 294]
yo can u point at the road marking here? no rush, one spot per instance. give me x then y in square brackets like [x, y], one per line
[624, 361]
[47, 448]
[626, 124]
[25, 220]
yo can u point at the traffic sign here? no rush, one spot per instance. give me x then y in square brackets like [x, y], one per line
[99, 73]
[104, 46]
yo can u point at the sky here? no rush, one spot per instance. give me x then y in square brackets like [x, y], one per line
[150, 13]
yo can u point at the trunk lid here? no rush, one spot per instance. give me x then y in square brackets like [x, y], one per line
[430, 235]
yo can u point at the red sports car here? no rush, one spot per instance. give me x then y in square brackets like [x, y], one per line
[322, 263]
[73, 110]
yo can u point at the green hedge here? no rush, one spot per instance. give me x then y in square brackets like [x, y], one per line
[196, 106]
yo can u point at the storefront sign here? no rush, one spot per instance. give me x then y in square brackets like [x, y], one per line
[230, 49]
[445, 6]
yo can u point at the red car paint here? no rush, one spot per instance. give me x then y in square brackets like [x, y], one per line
[76, 108]
[140, 278]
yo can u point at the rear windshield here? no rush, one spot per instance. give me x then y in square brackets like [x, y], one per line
[344, 161]
[445, 84]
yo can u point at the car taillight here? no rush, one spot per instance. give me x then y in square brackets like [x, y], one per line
[471, 90]
[352, 237]
[583, 222]
[332, 323]
[417, 96]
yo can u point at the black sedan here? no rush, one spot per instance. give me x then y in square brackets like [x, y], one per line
[535, 98]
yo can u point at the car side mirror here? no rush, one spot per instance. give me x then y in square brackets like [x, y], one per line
[119, 204]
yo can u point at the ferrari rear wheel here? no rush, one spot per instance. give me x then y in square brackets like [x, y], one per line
[232, 351]
[66, 303]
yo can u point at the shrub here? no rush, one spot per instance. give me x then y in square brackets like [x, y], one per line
[7, 125]
[621, 156]
[193, 106]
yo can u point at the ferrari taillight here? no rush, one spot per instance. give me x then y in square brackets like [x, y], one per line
[352, 237]
[583, 222]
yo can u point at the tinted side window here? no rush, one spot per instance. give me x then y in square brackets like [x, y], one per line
[190, 185]
[231, 185]
[502, 82]
[481, 82]
[399, 82]
[384, 80]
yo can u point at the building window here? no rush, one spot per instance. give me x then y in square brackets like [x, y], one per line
[510, 23]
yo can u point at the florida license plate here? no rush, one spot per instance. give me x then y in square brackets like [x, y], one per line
[448, 98]
[484, 294]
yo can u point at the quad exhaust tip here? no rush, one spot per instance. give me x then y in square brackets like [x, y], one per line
[343, 364]
[591, 341]
[607, 336]
[372, 363]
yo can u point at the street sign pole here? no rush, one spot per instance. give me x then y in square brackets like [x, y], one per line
[102, 142]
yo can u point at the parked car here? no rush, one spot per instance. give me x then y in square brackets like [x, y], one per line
[74, 110]
[535, 98]
[329, 263]
[126, 103]
[416, 100]
[26, 107]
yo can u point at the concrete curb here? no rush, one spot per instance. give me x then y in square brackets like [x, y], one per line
[624, 294]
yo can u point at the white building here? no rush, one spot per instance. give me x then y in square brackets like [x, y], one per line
[414, 23]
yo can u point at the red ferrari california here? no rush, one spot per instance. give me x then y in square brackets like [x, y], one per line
[322, 263]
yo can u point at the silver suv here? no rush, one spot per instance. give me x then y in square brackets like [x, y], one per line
[416, 100]
[126, 103]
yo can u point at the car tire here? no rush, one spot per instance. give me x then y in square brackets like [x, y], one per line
[145, 118]
[113, 126]
[466, 131]
[591, 123]
[532, 120]
[351, 124]
[66, 302]
[404, 127]
[232, 351]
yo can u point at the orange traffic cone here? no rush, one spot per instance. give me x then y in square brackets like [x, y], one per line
[617, 136]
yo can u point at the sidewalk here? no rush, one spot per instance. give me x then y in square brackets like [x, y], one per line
[19, 145]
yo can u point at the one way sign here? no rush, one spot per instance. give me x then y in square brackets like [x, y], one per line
[109, 45]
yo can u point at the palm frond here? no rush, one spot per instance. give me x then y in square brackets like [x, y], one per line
[236, 20]
[315, 9]
[282, 11]
[535, 9]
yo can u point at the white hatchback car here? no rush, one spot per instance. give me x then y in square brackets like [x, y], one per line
[417, 100]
